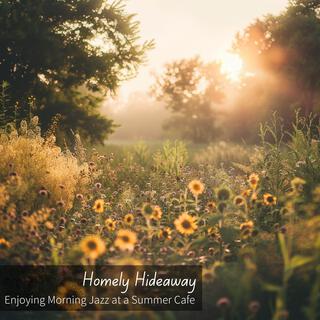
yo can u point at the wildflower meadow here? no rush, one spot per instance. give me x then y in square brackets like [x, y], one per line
[251, 225]
[160, 159]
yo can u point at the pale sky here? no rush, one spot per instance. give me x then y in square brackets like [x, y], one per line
[184, 28]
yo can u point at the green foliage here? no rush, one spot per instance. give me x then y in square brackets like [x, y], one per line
[8, 112]
[171, 159]
[141, 153]
[287, 47]
[304, 148]
[289, 154]
[269, 248]
[290, 265]
[3, 105]
[67, 56]
[281, 53]
[272, 136]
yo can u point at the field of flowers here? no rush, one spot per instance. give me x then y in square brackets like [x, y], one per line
[249, 215]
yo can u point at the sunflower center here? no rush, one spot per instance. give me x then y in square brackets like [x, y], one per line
[148, 210]
[196, 187]
[92, 245]
[186, 224]
[71, 294]
[125, 239]
[270, 199]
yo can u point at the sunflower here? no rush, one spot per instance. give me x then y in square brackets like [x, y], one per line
[212, 232]
[157, 213]
[239, 201]
[254, 197]
[223, 194]
[246, 229]
[185, 224]
[4, 244]
[92, 246]
[196, 187]
[253, 180]
[269, 199]
[246, 193]
[98, 206]
[49, 225]
[211, 205]
[246, 225]
[110, 224]
[71, 290]
[297, 184]
[125, 240]
[165, 233]
[147, 209]
[128, 219]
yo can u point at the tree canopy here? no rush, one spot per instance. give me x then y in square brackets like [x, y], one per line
[286, 47]
[190, 89]
[281, 70]
[64, 56]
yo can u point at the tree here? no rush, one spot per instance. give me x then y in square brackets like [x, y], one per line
[286, 47]
[190, 89]
[66, 56]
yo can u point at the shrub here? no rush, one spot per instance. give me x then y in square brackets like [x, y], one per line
[36, 171]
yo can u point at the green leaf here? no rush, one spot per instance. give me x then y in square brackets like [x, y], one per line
[299, 261]
[199, 242]
[229, 234]
[271, 287]
[214, 219]
[284, 250]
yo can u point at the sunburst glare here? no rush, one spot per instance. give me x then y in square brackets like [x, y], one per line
[231, 66]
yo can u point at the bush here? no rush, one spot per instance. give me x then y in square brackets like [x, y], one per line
[30, 164]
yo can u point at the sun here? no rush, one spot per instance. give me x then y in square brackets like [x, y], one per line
[231, 66]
